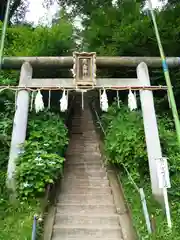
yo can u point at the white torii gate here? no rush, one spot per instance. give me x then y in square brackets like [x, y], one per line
[147, 105]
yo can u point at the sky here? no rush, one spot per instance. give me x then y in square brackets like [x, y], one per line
[37, 13]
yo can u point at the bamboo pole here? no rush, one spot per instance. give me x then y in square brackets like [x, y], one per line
[166, 74]
[4, 31]
[67, 62]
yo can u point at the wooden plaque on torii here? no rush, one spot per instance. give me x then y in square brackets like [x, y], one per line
[84, 69]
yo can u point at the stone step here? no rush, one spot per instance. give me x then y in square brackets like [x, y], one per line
[86, 173]
[56, 237]
[93, 144]
[76, 183]
[85, 190]
[83, 157]
[82, 145]
[92, 165]
[84, 227]
[93, 155]
[90, 152]
[83, 164]
[77, 132]
[106, 221]
[84, 178]
[85, 199]
[85, 233]
[84, 150]
[86, 209]
[84, 168]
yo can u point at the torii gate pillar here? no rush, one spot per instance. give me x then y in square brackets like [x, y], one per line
[19, 124]
[151, 129]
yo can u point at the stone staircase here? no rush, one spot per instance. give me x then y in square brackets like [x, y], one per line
[85, 207]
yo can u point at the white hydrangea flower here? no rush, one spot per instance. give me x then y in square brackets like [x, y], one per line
[26, 185]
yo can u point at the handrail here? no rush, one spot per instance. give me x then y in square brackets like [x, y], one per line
[34, 228]
[71, 105]
[98, 120]
[38, 219]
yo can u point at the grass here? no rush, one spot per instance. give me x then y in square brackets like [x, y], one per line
[15, 220]
[161, 230]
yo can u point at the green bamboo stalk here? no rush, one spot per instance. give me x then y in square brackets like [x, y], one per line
[166, 74]
[3, 35]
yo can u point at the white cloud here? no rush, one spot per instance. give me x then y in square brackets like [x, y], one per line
[38, 13]
[155, 3]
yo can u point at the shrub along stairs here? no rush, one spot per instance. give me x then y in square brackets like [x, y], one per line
[85, 208]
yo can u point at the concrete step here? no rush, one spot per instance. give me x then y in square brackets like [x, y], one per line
[84, 165]
[80, 173]
[83, 158]
[84, 144]
[86, 173]
[80, 169]
[83, 153]
[73, 177]
[86, 209]
[76, 183]
[85, 233]
[56, 237]
[106, 221]
[85, 199]
[92, 165]
[86, 152]
[85, 190]
[83, 227]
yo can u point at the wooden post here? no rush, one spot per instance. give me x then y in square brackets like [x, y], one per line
[19, 124]
[151, 129]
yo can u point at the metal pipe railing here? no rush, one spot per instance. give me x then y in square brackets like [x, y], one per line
[34, 228]
[98, 119]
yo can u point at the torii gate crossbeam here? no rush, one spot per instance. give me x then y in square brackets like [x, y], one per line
[50, 62]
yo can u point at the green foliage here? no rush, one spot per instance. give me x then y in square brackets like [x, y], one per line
[40, 41]
[125, 142]
[127, 30]
[162, 232]
[125, 146]
[41, 161]
[7, 108]
[16, 221]
[23, 40]
[171, 149]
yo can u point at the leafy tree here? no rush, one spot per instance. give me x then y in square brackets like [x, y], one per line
[17, 9]
[124, 30]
